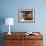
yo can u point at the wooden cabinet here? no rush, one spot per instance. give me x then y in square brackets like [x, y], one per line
[20, 39]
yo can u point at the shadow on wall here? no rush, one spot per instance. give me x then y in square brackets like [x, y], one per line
[2, 21]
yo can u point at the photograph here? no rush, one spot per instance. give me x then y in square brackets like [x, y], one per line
[26, 15]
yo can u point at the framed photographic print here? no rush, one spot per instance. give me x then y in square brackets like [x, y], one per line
[26, 15]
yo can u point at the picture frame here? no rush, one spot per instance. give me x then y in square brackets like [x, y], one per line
[26, 15]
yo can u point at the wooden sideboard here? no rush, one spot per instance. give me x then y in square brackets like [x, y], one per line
[20, 39]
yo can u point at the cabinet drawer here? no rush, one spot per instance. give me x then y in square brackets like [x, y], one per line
[16, 37]
[9, 43]
[33, 43]
[13, 43]
[34, 37]
[37, 43]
